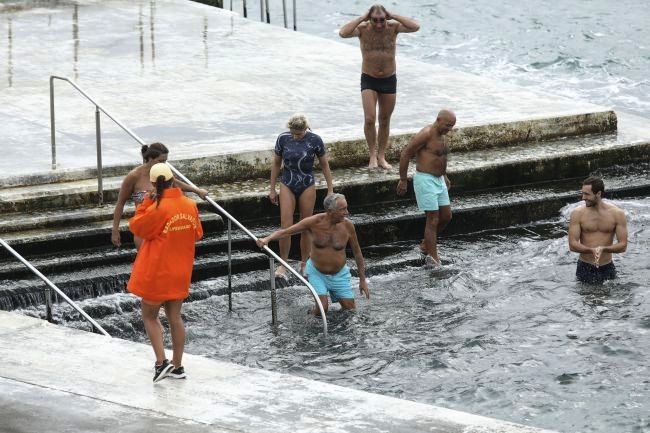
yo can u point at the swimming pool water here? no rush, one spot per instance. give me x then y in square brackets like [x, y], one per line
[503, 330]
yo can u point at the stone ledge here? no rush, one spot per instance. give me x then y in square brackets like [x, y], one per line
[349, 153]
[219, 394]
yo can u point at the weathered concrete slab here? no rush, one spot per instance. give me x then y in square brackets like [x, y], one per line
[207, 82]
[226, 397]
[27, 408]
[492, 167]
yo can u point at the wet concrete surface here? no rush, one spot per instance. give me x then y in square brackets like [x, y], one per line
[205, 81]
[216, 395]
[28, 408]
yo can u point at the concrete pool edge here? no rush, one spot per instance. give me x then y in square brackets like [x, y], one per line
[225, 396]
[221, 167]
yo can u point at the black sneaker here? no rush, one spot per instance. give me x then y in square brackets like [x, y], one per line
[161, 371]
[177, 373]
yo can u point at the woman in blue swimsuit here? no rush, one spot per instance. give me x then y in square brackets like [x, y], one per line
[295, 151]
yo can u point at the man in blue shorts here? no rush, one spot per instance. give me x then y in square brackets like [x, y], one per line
[431, 184]
[326, 269]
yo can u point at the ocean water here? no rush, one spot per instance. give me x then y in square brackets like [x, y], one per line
[596, 50]
[502, 330]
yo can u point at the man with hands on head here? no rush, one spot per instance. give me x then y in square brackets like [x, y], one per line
[326, 269]
[377, 31]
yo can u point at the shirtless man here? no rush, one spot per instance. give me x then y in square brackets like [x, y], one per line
[377, 30]
[591, 233]
[326, 269]
[431, 184]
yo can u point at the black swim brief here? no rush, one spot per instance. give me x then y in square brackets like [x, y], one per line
[380, 85]
[588, 273]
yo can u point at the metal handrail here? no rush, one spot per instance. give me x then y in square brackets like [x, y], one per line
[50, 284]
[98, 136]
[268, 250]
[221, 210]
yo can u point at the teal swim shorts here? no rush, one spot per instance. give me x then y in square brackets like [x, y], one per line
[430, 191]
[338, 285]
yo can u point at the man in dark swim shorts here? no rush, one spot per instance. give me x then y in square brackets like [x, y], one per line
[387, 86]
[377, 30]
[591, 233]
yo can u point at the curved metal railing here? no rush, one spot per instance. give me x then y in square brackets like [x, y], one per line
[51, 285]
[231, 219]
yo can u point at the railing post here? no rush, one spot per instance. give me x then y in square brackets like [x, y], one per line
[284, 12]
[262, 11]
[274, 306]
[268, 16]
[229, 266]
[98, 138]
[48, 304]
[295, 28]
[52, 127]
[245, 9]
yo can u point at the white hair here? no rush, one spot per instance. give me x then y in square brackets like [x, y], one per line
[330, 201]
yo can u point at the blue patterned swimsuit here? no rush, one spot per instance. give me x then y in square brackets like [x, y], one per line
[298, 160]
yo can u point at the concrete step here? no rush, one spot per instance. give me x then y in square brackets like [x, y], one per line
[516, 204]
[109, 309]
[94, 281]
[100, 271]
[469, 170]
[81, 230]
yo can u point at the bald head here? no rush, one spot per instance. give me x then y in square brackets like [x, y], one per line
[445, 121]
[446, 116]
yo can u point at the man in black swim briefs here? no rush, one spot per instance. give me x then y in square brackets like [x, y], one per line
[591, 233]
[377, 30]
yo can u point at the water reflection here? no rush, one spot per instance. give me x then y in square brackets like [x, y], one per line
[141, 31]
[10, 67]
[75, 39]
[205, 41]
[152, 20]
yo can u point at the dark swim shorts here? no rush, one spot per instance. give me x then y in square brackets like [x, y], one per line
[588, 273]
[380, 85]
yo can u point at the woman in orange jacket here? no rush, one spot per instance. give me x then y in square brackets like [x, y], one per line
[169, 225]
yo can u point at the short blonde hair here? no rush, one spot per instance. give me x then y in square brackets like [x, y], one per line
[299, 122]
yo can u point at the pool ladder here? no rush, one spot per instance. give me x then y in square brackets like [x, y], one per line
[272, 255]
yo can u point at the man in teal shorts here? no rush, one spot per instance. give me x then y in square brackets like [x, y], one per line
[326, 269]
[431, 184]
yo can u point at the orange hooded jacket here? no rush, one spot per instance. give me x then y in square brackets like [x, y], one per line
[163, 267]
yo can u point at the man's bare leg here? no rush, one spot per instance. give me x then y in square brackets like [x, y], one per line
[386, 106]
[323, 300]
[369, 103]
[444, 217]
[347, 304]
[431, 235]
